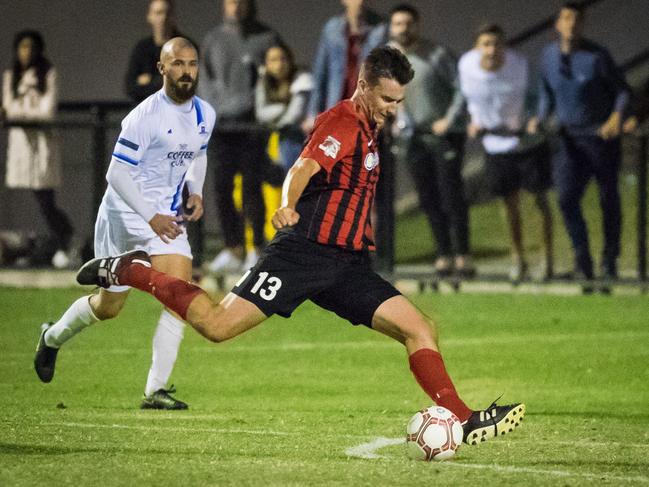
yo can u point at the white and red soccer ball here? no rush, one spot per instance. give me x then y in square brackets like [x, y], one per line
[434, 433]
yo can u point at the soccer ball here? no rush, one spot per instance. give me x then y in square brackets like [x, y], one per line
[434, 433]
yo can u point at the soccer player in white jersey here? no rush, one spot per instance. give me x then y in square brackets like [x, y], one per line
[494, 81]
[162, 147]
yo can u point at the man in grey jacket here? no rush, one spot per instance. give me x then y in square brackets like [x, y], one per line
[231, 55]
[433, 112]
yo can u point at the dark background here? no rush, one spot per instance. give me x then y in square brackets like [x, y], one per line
[89, 43]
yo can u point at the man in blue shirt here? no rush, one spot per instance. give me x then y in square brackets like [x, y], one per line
[583, 86]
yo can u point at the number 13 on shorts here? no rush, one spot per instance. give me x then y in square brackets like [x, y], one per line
[266, 285]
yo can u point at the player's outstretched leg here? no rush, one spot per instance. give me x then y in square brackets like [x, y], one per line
[216, 322]
[134, 269]
[399, 319]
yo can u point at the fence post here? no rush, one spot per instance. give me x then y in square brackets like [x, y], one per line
[642, 209]
[384, 202]
[98, 155]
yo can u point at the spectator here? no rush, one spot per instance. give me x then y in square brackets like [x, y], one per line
[281, 97]
[345, 42]
[640, 110]
[143, 78]
[494, 81]
[434, 108]
[30, 93]
[583, 86]
[231, 55]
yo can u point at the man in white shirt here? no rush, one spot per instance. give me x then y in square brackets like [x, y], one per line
[161, 148]
[494, 81]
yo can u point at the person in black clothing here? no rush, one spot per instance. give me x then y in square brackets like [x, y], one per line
[142, 77]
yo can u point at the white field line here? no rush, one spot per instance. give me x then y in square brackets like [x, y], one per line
[183, 429]
[372, 344]
[368, 451]
[173, 428]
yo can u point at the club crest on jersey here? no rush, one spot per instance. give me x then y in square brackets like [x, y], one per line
[330, 147]
[371, 160]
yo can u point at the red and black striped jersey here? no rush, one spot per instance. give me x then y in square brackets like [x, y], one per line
[335, 206]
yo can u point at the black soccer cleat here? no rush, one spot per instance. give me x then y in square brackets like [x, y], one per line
[104, 271]
[492, 422]
[162, 399]
[45, 359]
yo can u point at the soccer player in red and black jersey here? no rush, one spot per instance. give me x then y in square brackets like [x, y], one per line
[320, 251]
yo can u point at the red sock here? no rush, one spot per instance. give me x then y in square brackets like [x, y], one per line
[429, 370]
[174, 293]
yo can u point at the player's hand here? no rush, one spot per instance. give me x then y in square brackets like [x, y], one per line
[473, 130]
[307, 125]
[285, 217]
[195, 206]
[533, 126]
[144, 79]
[611, 128]
[441, 126]
[166, 226]
[630, 125]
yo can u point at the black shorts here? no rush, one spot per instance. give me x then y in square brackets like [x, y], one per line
[293, 269]
[530, 170]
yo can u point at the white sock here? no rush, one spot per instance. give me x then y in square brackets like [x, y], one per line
[166, 343]
[78, 316]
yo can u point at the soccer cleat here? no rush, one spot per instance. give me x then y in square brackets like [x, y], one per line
[492, 422]
[162, 399]
[45, 358]
[104, 271]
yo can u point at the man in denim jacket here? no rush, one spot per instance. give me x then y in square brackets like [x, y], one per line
[344, 43]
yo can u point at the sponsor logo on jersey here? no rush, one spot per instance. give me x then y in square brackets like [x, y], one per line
[330, 147]
[371, 160]
[178, 157]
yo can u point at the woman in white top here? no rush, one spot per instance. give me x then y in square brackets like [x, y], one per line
[281, 98]
[29, 93]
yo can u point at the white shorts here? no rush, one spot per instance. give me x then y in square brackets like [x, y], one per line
[118, 232]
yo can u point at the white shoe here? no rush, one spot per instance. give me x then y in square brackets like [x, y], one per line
[225, 261]
[251, 259]
[61, 260]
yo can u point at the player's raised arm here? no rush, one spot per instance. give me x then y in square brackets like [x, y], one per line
[296, 180]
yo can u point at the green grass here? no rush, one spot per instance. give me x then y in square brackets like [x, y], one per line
[490, 235]
[282, 404]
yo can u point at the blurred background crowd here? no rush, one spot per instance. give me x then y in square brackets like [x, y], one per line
[509, 98]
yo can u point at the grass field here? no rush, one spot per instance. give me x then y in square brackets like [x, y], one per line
[294, 401]
[490, 237]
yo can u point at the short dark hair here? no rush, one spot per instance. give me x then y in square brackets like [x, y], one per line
[491, 29]
[387, 62]
[575, 6]
[406, 8]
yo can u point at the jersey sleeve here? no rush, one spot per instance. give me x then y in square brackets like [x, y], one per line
[134, 138]
[330, 141]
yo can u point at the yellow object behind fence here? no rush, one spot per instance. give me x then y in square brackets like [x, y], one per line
[272, 195]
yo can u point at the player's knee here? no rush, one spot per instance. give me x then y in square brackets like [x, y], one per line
[107, 311]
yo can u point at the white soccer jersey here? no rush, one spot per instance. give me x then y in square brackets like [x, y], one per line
[495, 99]
[158, 142]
